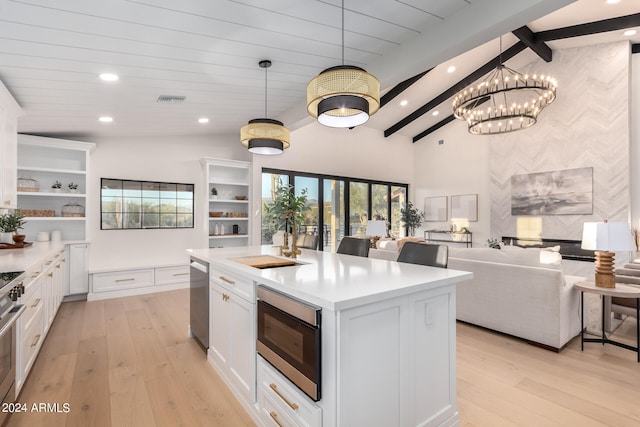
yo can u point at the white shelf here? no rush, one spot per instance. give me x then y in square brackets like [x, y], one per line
[222, 181]
[228, 201]
[227, 219]
[229, 236]
[44, 194]
[50, 170]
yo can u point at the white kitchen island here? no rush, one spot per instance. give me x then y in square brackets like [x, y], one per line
[388, 339]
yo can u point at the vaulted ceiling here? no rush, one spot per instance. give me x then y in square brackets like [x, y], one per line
[207, 51]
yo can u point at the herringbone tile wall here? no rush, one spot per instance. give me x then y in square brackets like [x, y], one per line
[587, 126]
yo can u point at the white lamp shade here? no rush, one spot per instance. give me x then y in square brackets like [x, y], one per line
[607, 236]
[376, 228]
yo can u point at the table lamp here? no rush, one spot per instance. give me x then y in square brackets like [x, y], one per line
[375, 230]
[606, 238]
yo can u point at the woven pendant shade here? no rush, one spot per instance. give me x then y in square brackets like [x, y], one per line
[263, 130]
[350, 86]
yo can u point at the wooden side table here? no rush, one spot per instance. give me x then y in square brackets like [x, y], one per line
[620, 291]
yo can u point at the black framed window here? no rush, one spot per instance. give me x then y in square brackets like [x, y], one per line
[343, 205]
[129, 204]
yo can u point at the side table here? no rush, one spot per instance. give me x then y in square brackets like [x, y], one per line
[620, 291]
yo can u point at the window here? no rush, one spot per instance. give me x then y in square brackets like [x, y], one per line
[341, 205]
[126, 204]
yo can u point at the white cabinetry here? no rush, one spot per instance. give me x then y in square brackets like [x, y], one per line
[137, 281]
[9, 113]
[78, 271]
[231, 206]
[47, 160]
[412, 349]
[44, 288]
[232, 331]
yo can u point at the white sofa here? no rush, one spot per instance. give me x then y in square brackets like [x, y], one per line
[513, 292]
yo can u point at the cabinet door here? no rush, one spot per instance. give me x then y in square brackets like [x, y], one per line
[8, 163]
[219, 325]
[242, 345]
[78, 272]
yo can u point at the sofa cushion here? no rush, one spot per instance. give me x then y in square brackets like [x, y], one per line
[388, 245]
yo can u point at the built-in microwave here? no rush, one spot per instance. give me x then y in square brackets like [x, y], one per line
[289, 338]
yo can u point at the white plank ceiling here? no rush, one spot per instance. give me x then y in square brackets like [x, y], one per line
[51, 54]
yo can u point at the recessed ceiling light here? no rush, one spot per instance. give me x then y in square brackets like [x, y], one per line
[105, 119]
[404, 102]
[613, 1]
[109, 77]
[203, 120]
[435, 113]
[451, 69]
[630, 33]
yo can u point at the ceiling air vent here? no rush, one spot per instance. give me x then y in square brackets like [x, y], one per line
[171, 99]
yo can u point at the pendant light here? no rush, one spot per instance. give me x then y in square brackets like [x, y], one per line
[514, 100]
[265, 136]
[343, 96]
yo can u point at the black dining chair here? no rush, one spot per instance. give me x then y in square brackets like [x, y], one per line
[424, 254]
[308, 241]
[354, 246]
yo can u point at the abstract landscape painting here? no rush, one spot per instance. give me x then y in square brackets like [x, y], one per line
[565, 192]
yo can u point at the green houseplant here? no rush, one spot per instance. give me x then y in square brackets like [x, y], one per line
[11, 223]
[411, 217]
[286, 212]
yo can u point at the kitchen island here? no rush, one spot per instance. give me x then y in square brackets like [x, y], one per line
[387, 338]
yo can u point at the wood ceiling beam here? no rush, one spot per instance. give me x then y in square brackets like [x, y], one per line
[527, 37]
[471, 78]
[443, 122]
[400, 87]
[596, 27]
[635, 48]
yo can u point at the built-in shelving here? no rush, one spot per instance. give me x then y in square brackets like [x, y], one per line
[231, 179]
[48, 160]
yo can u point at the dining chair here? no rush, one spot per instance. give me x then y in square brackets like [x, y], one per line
[308, 241]
[354, 246]
[424, 254]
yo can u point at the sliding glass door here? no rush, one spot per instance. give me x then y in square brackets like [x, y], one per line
[339, 206]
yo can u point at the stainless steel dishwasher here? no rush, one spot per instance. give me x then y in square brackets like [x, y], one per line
[199, 302]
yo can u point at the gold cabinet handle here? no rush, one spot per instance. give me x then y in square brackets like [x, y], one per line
[274, 417]
[48, 263]
[50, 275]
[229, 281]
[58, 266]
[225, 297]
[35, 303]
[180, 274]
[124, 280]
[64, 259]
[35, 274]
[35, 340]
[293, 406]
[7, 202]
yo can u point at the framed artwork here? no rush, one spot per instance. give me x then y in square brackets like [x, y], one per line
[564, 192]
[464, 206]
[435, 208]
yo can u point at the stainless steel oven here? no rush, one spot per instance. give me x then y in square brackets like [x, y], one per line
[11, 289]
[289, 338]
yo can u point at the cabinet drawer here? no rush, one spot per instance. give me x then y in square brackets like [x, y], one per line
[239, 286]
[272, 414]
[32, 300]
[32, 337]
[169, 275]
[118, 280]
[288, 398]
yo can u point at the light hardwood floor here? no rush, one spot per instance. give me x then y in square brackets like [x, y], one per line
[129, 362]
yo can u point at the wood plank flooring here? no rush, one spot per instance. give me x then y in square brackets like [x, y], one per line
[129, 362]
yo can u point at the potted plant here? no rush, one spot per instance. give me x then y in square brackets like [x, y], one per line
[11, 223]
[214, 193]
[285, 212]
[411, 217]
[56, 186]
[73, 187]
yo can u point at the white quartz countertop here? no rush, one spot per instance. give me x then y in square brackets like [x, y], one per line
[334, 281]
[24, 258]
